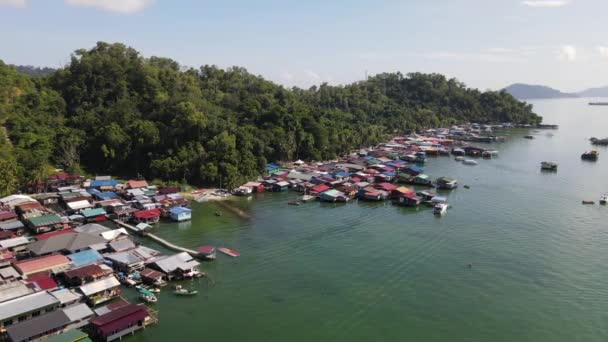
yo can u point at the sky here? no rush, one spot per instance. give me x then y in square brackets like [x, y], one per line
[487, 44]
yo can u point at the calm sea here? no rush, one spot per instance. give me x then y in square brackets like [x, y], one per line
[375, 272]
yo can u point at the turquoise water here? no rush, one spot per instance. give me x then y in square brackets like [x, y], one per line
[374, 272]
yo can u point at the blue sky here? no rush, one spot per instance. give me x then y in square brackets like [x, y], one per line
[485, 43]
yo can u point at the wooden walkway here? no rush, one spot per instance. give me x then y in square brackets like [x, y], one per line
[159, 240]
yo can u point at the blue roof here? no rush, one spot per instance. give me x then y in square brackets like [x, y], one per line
[92, 212]
[106, 195]
[342, 174]
[416, 168]
[271, 166]
[93, 191]
[89, 256]
[98, 183]
[179, 210]
[388, 173]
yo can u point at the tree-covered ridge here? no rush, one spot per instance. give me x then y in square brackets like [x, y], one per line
[113, 111]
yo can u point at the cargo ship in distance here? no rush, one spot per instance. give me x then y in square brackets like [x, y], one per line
[598, 103]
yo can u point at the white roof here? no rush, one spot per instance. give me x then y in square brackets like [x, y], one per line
[78, 312]
[66, 296]
[14, 200]
[28, 303]
[181, 261]
[79, 205]
[136, 192]
[18, 241]
[100, 285]
[113, 234]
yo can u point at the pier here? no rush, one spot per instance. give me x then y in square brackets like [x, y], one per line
[159, 240]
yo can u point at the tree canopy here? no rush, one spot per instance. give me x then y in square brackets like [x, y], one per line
[110, 110]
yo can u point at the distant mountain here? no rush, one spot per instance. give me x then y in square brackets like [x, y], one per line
[526, 91]
[33, 71]
[594, 92]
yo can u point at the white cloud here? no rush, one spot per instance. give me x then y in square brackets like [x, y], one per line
[567, 53]
[312, 76]
[14, 3]
[545, 3]
[603, 50]
[120, 6]
[286, 76]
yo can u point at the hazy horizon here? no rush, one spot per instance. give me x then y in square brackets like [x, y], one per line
[486, 45]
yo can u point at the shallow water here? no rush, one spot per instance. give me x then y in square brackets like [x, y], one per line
[373, 272]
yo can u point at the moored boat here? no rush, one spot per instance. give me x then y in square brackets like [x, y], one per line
[548, 166]
[469, 162]
[590, 155]
[440, 208]
[459, 158]
[229, 252]
[180, 291]
[147, 295]
[529, 136]
[207, 252]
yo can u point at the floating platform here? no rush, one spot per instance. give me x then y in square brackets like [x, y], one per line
[229, 252]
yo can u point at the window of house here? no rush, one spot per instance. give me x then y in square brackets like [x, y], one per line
[35, 313]
[22, 318]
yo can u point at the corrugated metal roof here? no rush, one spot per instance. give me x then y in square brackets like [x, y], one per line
[78, 312]
[11, 225]
[181, 261]
[18, 241]
[122, 245]
[77, 205]
[45, 220]
[38, 326]
[100, 285]
[66, 296]
[93, 212]
[90, 256]
[70, 242]
[28, 303]
[92, 228]
[73, 335]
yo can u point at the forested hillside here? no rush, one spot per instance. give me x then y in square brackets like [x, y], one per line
[112, 111]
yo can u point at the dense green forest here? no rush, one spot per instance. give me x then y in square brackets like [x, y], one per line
[112, 111]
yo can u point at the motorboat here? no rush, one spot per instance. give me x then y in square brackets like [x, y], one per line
[459, 158]
[604, 199]
[590, 155]
[180, 291]
[469, 162]
[548, 166]
[440, 208]
[147, 295]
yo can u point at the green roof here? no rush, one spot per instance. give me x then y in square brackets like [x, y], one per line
[44, 220]
[70, 336]
[92, 212]
[422, 176]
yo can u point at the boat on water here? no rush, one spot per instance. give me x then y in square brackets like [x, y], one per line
[469, 162]
[207, 252]
[588, 202]
[440, 208]
[548, 166]
[590, 155]
[229, 252]
[459, 158]
[308, 198]
[598, 103]
[243, 191]
[147, 295]
[529, 136]
[604, 199]
[294, 203]
[601, 142]
[181, 291]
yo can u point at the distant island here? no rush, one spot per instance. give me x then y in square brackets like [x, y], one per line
[523, 91]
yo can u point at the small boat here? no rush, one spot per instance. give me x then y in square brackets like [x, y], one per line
[180, 291]
[588, 202]
[459, 158]
[147, 295]
[229, 252]
[469, 162]
[218, 213]
[467, 186]
[207, 252]
[440, 208]
[604, 199]
[294, 203]
[590, 155]
[548, 166]
[528, 136]
[308, 198]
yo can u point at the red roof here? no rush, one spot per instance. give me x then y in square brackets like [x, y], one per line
[43, 281]
[355, 179]
[29, 206]
[385, 186]
[147, 214]
[60, 176]
[7, 215]
[319, 188]
[137, 184]
[6, 234]
[87, 271]
[120, 318]
[371, 171]
[40, 264]
[55, 233]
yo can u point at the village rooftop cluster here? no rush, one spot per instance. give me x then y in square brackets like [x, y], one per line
[61, 271]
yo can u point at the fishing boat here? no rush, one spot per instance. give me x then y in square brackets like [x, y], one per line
[294, 203]
[307, 198]
[590, 155]
[147, 295]
[548, 166]
[440, 208]
[529, 136]
[180, 291]
[229, 252]
[604, 199]
[469, 162]
[588, 202]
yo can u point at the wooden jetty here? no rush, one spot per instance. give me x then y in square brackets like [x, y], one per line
[159, 240]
